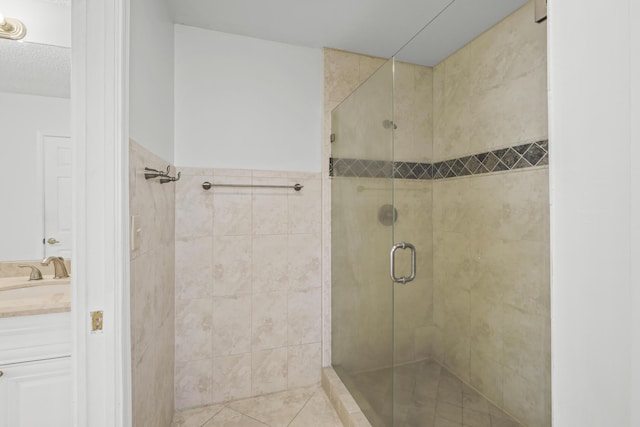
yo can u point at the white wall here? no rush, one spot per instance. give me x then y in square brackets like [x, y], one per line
[151, 114]
[246, 103]
[594, 214]
[21, 215]
[634, 153]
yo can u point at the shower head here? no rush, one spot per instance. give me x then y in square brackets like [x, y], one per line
[388, 123]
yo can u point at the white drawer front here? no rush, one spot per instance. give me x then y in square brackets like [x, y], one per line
[26, 338]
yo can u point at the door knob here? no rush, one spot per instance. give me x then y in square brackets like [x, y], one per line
[52, 241]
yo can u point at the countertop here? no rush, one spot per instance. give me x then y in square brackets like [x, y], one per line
[20, 297]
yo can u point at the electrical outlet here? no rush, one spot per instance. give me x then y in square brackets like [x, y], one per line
[96, 321]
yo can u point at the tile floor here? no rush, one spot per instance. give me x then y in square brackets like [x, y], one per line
[304, 407]
[426, 395]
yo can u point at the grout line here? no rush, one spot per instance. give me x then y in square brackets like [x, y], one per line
[210, 418]
[249, 416]
[303, 406]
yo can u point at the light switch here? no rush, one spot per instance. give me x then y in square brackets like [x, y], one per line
[136, 232]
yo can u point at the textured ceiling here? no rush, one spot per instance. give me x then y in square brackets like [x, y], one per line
[36, 69]
[373, 27]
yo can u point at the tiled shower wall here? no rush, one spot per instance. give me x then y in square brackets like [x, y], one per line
[248, 299]
[152, 292]
[490, 319]
[491, 231]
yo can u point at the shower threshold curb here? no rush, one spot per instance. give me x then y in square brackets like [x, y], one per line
[348, 410]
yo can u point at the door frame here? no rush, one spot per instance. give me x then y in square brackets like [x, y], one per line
[100, 268]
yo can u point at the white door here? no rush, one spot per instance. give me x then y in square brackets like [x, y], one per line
[36, 394]
[57, 195]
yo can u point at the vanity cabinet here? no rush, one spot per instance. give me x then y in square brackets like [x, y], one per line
[36, 381]
[36, 394]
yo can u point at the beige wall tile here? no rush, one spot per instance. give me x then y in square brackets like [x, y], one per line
[231, 207]
[270, 206]
[524, 347]
[193, 267]
[193, 383]
[144, 388]
[269, 320]
[231, 329]
[165, 287]
[523, 401]
[457, 352]
[164, 367]
[270, 216]
[404, 111]
[269, 371]
[152, 294]
[195, 416]
[369, 65]
[194, 209]
[143, 304]
[232, 265]
[303, 365]
[525, 197]
[241, 270]
[424, 338]
[304, 261]
[404, 345]
[528, 274]
[486, 329]
[360, 118]
[305, 206]
[423, 110]
[231, 377]
[342, 74]
[304, 308]
[474, 106]
[270, 265]
[193, 329]
[487, 375]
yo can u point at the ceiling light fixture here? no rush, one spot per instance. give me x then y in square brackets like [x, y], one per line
[11, 28]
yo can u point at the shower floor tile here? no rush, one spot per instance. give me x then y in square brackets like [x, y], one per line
[426, 395]
[302, 407]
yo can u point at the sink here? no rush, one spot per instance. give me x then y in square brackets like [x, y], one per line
[9, 283]
[21, 296]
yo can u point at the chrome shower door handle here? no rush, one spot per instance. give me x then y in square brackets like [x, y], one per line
[403, 245]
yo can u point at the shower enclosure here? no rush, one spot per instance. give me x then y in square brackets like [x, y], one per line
[439, 241]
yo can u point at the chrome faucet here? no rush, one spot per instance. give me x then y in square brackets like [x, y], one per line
[58, 265]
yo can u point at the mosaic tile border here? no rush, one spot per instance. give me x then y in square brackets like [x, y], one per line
[516, 157]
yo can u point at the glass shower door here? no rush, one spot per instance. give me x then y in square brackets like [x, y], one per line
[362, 218]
